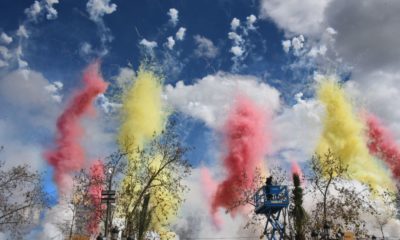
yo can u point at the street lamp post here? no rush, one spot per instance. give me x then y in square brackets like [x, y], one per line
[108, 197]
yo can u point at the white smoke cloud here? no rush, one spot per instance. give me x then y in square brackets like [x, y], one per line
[22, 32]
[174, 16]
[98, 8]
[149, 45]
[5, 39]
[194, 219]
[293, 125]
[180, 34]
[57, 217]
[235, 24]
[250, 20]
[40, 8]
[205, 47]
[210, 98]
[237, 51]
[296, 16]
[54, 90]
[170, 42]
[29, 106]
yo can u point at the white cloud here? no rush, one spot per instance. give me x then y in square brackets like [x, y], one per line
[99, 138]
[19, 54]
[51, 11]
[5, 39]
[28, 107]
[4, 53]
[180, 34]
[22, 32]
[235, 24]
[210, 98]
[315, 51]
[125, 76]
[170, 42]
[366, 36]
[33, 11]
[22, 63]
[250, 20]
[205, 47]
[106, 105]
[236, 38]
[298, 42]
[86, 48]
[286, 44]
[38, 8]
[54, 90]
[174, 16]
[98, 8]
[331, 31]
[296, 123]
[3, 63]
[149, 45]
[296, 16]
[379, 92]
[237, 51]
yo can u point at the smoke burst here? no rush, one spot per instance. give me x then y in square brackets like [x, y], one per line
[68, 156]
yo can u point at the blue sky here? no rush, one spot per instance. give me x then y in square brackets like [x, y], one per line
[282, 50]
[54, 45]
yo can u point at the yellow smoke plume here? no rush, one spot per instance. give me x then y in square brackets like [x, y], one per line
[143, 117]
[142, 113]
[343, 135]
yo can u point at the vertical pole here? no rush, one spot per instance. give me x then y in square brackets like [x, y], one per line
[108, 206]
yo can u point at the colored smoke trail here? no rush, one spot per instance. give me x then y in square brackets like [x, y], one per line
[143, 117]
[69, 155]
[142, 113]
[383, 145]
[246, 139]
[343, 135]
[97, 178]
[209, 187]
[297, 170]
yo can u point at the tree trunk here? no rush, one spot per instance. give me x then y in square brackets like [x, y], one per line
[72, 224]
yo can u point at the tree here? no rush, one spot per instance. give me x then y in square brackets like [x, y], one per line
[325, 170]
[156, 171]
[22, 198]
[84, 214]
[384, 209]
[341, 202]
[297, 211]
[143, 217]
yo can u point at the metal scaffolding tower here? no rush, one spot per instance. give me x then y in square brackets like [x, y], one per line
[271, 200]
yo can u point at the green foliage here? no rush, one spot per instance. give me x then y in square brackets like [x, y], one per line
[297, 211]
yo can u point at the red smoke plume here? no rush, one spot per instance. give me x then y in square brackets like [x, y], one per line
[246, 140]
[68, 155]
[383, 145]
[297, 170]
[97, 178]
